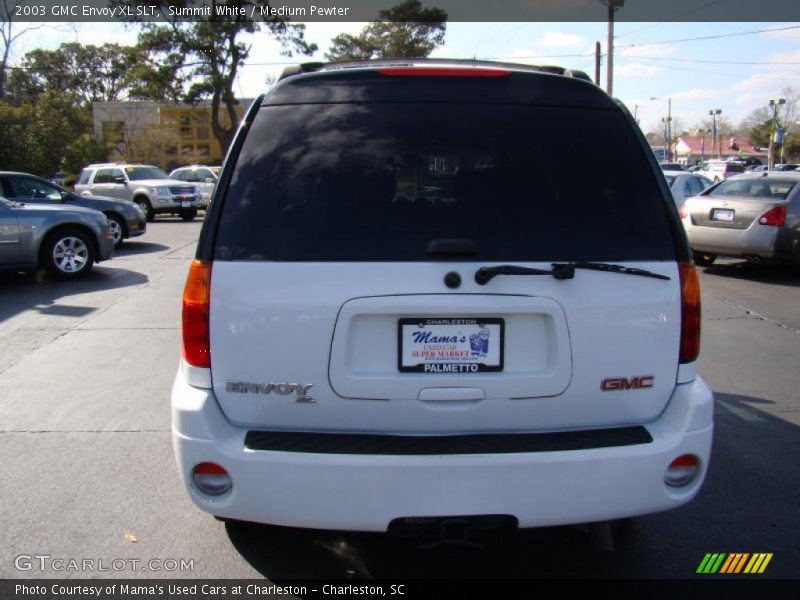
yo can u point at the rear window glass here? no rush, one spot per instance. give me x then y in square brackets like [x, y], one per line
[757, 188]
[381, 181]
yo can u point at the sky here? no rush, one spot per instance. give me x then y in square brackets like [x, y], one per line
[653, 62]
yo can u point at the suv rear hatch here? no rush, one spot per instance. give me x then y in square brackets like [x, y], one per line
[359, 199]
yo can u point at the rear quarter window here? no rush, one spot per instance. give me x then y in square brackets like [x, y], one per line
[362, 182]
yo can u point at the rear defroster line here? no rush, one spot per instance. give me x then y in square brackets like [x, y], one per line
[560, 271]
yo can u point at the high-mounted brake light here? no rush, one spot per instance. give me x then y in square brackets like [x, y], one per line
[690, 312]
[776, 217]
[196, 294]
[442, 72]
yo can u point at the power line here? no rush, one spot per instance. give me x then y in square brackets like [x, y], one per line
[715, 62]
[737, 75]
[672, 19]
[709, 37]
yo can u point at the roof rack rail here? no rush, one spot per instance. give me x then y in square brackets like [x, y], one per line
[311, 67]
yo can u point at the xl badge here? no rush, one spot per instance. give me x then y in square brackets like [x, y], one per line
[283, 389]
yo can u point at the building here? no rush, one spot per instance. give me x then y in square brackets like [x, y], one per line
[166, 135]
[689, 149]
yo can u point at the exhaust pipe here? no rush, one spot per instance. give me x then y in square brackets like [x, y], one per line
[754, 259]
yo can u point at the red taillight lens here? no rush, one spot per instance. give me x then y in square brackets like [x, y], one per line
[682, 212]
[682, 471]
[443, 72]
[211, 479]
[690, 312]
[196, 350]
[776, 217]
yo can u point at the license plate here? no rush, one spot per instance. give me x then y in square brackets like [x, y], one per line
[186, 204]
[722, 214]
[450, 345]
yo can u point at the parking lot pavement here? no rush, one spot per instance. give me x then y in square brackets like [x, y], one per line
[85, 374]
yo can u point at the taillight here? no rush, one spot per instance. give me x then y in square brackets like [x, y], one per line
[690, 312]
[682, 211]
[443, 72]
[776, 217]
[196, 350]
[211, 479]
[682, 471]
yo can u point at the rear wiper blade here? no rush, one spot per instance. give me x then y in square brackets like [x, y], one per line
[560, 271]
[595, 266]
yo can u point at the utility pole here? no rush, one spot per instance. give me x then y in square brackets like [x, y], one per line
[597, 63]
[613, 5]
[773, 132]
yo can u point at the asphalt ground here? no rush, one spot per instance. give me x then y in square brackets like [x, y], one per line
[86, 369]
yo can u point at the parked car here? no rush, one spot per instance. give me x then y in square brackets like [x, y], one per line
[684, 185]
[669, 166]
[65, 240]
[413, 318]
[750, 216]
[717, 170]
[146, 185]
[125, 218]
[203, 177]
[785, 167]
[756, 169]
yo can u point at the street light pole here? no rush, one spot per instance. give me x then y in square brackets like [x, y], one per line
[714, 114]
[669, 126]
[773, 131]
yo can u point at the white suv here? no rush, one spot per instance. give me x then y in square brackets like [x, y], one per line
[148, 186]
[406, 305]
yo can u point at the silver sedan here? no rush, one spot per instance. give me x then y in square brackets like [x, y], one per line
[756, 217]
[65, 241]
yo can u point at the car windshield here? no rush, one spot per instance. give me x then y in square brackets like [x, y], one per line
[777, 189]
[216, 170]
[670, 180]
[139, 173]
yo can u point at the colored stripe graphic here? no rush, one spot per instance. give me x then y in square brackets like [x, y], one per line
[734, 563]
[711, 563]
[758, 563]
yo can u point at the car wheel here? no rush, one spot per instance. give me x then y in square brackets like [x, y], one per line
[68, 253]
[701, 259]
[117, 228]
[188, 214]
[144, 204]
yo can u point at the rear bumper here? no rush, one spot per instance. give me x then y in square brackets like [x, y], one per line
[756, 240]
[366, 492]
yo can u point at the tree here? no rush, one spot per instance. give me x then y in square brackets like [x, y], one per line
[48, 135]
[759, 126]
[404, 31]
[756, 126]
[213, 52]
[8, 35]
[90, 73]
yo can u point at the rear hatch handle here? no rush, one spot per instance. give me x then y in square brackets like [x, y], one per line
[560, 271]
